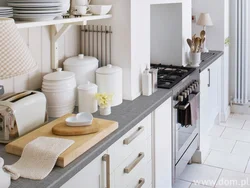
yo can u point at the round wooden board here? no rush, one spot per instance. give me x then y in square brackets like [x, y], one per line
[62, 129]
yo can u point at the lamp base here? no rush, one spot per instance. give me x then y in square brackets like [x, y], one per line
[205, 50]
[1, 90]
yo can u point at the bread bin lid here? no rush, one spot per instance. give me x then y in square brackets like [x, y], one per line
[87, 86]
[109, 69]
[59, 75]
[80, 60]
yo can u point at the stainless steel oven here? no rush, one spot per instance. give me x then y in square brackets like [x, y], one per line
[185, 132]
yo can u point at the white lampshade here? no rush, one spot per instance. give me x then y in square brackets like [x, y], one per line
[15, 57]
[205, 20]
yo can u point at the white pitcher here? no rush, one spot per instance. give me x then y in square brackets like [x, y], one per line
[81, 2]
[4, 177]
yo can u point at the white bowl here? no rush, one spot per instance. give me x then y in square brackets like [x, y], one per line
[81, 119]
[100, 9]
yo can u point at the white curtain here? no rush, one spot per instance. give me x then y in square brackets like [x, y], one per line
[241, 34]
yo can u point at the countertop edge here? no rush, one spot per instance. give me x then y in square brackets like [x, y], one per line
[206, 64]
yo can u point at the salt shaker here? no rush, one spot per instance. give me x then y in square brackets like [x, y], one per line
[146, 83]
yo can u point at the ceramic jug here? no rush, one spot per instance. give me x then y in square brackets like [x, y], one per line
[4, 177]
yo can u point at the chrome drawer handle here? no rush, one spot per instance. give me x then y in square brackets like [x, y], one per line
[140, 183]
[128, 140]
[106, 158]
[130, 167]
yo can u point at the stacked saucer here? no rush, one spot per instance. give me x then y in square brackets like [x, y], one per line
[36, 10]
[6, 12]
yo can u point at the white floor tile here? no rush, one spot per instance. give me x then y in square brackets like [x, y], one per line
[181, 184]
[248, 168]
[241, 116]
[246, 125]
[221, 144]
[201, 173]
[233, 180]
[216, 131]
[242, 148]
[236, 134]
[198, 186]
[228, 161]
[234, 123]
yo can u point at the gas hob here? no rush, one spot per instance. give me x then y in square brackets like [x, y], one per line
[169, 75]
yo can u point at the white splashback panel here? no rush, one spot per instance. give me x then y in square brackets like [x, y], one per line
[166, 34]
[38, 40]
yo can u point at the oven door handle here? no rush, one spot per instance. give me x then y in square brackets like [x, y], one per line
[184, 107]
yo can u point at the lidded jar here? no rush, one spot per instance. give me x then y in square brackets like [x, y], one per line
[86, 98]
[109, 80]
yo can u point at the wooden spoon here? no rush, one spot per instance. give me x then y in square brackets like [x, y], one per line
[190, 43]
[197, 43]
[193, 38]
[203, 34]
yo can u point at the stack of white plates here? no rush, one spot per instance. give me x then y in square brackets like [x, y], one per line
[60, 91]
[36, 10]
[6, 12]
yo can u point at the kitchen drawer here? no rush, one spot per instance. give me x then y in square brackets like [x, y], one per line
[144, 177]
[122, 179]
[120, 151]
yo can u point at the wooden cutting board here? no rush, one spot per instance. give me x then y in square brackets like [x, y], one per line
[81, 145]
[63, 130]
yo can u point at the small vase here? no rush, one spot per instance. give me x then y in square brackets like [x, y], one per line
[105, 111]
[195, 59]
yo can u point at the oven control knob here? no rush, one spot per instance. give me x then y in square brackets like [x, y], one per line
[180, 98]
[187, 91]
[190, 90]
[184, 94]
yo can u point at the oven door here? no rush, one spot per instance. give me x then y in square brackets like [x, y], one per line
[184, 135]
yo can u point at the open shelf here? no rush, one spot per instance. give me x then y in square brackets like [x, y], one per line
[80, 21]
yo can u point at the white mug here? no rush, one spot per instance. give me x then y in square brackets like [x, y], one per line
[81, 10]
[82, 2]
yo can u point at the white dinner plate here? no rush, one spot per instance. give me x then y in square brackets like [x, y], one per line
[37, 8]
[37, 12]
[6, 8]
[34, 4]
[34, 1]
[6, 16]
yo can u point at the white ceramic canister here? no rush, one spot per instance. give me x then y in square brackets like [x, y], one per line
[84, 68]
[109, 80]
[86, 98]
[5, 178]
[195, 59]
[60, 96]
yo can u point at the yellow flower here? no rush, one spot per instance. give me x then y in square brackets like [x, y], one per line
[104, 100]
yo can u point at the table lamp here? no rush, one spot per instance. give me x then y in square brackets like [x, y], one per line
[205, 20]
[15, 56]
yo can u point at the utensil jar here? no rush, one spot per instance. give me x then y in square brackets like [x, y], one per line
[195, 59]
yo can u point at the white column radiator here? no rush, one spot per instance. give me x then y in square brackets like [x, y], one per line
[241, 59]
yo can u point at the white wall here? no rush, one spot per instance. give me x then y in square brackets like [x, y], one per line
[38, 40]
[216, 35]
[131, 38]
[166, 33]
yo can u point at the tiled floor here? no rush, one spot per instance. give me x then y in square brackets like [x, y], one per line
[228, 163]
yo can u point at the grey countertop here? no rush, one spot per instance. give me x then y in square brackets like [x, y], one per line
[128, 114]
[209, 58]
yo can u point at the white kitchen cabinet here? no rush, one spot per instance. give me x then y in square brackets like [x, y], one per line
[94, 175]
[162, 143]
[210, 89]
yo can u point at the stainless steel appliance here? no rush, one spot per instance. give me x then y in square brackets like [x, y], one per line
[184, 82]
[21, 113]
